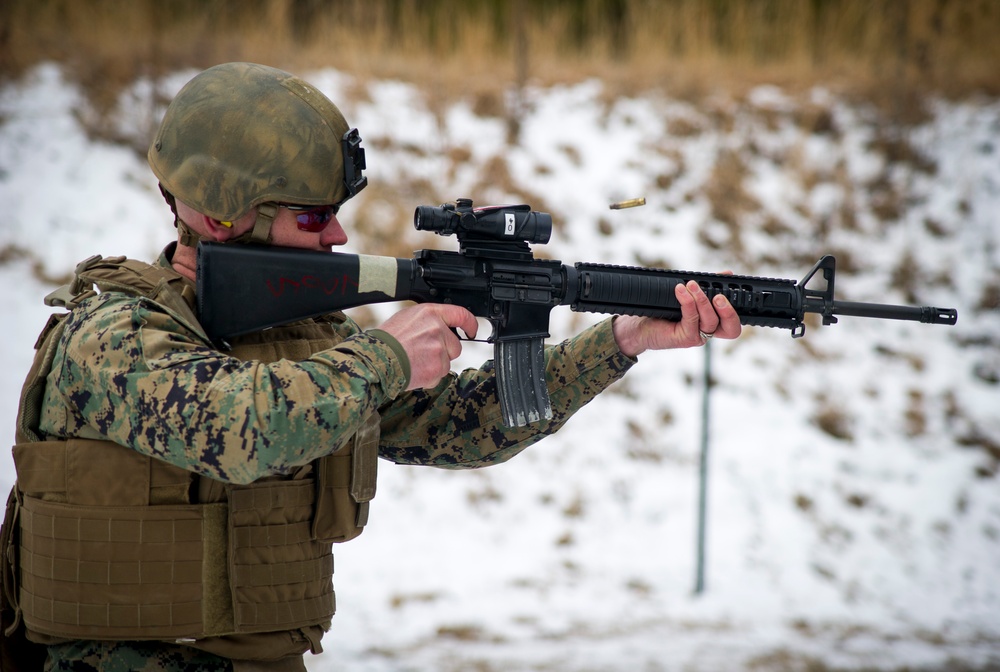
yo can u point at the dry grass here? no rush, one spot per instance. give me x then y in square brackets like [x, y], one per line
[834, 420]
[891, 50]
[729, 200]
[989, 300]
[906, 275]
[915, 416]
[12, 253]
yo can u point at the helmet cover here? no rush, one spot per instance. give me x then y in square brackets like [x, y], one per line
[241, 134]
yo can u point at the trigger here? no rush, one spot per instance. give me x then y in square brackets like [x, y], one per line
[487, 326]
[483, 324]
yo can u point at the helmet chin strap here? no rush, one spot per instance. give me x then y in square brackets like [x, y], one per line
[260, 234]
[261, 231]
[185, 234]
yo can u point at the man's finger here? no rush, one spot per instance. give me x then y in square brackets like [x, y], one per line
[457, 316]
[687, 331]
[729, 319]
[708, 320]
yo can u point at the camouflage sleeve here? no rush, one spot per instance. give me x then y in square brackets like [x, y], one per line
[128, 371]
[457, 424]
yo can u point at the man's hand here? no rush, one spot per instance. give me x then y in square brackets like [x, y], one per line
[425, 332]
[717, 319]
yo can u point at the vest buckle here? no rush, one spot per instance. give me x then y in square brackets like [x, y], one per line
[71, 295]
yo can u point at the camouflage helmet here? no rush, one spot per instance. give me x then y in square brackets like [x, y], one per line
[239, 135]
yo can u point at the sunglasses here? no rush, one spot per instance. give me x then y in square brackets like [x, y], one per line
[312, 218]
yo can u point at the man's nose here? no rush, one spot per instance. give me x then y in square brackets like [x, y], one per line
[334, 233]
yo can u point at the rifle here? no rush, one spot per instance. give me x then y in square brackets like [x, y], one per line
[246, 288]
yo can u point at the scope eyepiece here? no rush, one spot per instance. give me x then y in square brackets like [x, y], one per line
[495, 222]
[442, 219]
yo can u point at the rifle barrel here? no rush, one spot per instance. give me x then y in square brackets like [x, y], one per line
[925, 314]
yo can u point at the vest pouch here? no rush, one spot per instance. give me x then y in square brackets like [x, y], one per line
[129, 572]
[346, 484]
[178, 571]
[97, 473]
[280, 575]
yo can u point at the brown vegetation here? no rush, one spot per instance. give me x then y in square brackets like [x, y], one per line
[892, 49]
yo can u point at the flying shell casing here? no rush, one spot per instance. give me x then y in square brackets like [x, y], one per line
[630, 203]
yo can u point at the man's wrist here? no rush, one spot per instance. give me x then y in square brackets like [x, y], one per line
[626, 329]
[397, 349]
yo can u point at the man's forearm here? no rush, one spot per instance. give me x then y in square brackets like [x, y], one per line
[458, 424]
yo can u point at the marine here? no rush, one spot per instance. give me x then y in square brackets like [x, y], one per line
[176, 504]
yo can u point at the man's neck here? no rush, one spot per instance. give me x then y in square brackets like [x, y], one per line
[185, 262]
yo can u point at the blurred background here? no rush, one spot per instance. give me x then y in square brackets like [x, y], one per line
[895, 55]
[892, 52]
[854, 510]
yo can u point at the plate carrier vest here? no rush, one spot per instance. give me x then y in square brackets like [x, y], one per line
[104, 543]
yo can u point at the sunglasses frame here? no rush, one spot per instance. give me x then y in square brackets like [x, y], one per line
[304, 211]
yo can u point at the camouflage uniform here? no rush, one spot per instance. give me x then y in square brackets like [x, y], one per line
[131, 657]
[129, 371]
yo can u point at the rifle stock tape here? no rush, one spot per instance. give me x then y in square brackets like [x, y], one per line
[376, 274]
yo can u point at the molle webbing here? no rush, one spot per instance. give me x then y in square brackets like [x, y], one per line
[86, 576]
[176, 571]
[280, 576]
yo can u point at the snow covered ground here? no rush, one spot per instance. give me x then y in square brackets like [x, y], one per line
[854, 513]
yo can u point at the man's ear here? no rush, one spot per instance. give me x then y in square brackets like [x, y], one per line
[219, 231]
